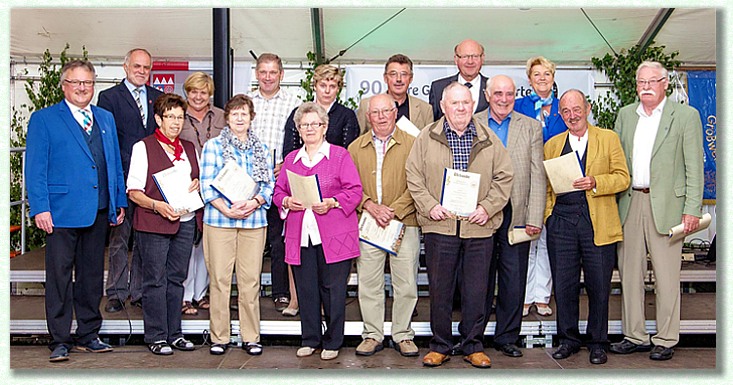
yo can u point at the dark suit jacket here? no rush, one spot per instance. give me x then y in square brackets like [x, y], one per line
[119, 101]
[60, 171]
[436, 92]
[343, 128]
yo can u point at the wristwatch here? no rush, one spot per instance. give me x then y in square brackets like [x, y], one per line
[338, 205]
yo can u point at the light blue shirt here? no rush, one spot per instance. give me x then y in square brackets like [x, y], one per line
[500, 129]
[143, 98]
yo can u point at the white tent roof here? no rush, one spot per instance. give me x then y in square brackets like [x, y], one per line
[427, 35]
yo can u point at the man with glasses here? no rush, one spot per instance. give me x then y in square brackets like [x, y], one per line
[662, 140]
[398, 76]
[131, 104]
[380, 156]
[75, 191]
[273, 105]
[469, 57]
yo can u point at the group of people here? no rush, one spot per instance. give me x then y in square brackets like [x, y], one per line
[92, 167]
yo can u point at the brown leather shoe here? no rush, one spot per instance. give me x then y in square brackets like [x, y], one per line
[478, 360]
[434, 359]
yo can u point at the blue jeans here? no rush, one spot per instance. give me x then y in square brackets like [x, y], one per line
[165, 267]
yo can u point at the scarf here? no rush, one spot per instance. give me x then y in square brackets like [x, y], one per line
[230, 142]
[176, 144]
[540, 102]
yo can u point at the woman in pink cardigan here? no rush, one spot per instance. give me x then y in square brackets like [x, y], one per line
[320, 240]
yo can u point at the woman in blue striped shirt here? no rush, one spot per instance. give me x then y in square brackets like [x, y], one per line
[235, 232]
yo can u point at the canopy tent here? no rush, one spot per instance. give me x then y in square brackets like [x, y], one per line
[568, 36]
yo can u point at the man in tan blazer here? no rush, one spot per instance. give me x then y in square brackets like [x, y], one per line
[522, 137]
[663, 144]
[583, 227]
[398, 76]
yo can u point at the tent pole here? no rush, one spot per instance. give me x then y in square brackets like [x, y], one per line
[222, 57]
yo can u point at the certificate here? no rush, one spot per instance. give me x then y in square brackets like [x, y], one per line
[406, 125]
[562, 171]
[460, 192]
[388, 238]
[519, 235]
[173, 185]
[305, 188]
[678, 232]
[234, 183]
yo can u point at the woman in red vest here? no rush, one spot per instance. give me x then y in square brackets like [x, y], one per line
[164, 234]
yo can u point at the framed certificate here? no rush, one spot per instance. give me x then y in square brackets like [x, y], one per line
[305, 188]
[460, 192]
[385, 238]
[234, 183]
[173, 185]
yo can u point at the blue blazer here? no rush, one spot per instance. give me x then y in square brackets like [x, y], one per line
[555, 124]
[436, 93]
[119, 101]
[60, 172]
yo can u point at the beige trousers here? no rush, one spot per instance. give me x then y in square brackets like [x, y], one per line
[403, 271]
[640, 238]
[224, 250]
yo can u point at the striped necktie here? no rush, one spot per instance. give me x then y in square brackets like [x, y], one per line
[87, 123]
[139, 102]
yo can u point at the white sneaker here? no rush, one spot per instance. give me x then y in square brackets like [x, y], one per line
[305, 351]
[329, 354]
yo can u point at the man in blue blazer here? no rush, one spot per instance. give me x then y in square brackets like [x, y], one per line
[75, 190]
[469, 57]
[134, 122]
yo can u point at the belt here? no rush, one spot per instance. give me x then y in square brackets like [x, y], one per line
[645, 190]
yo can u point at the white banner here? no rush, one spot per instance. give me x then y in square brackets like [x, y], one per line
[370, 79]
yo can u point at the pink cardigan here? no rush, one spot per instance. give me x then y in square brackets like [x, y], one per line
[339, 227]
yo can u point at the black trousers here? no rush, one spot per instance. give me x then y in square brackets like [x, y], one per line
[570, 246]
[445, 255]
[319, 283]
[81, 251]
[278, 267]
[509, 267]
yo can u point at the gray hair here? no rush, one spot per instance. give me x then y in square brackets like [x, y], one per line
[653, 65]
[132, 51]
[307, 108]
[451, 86]
[74, 64]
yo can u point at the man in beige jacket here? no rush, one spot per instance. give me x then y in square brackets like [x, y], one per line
[380, 156]
[459, 142]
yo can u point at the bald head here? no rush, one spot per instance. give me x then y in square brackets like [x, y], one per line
[382, 115]
[469, 57]
[500, 91]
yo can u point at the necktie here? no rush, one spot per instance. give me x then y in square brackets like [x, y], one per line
[137, 92]
[468, 84]
[87, 123]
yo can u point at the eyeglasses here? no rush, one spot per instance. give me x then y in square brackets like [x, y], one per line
[173, 117]
[472, 56]
[651, 82]
[78, 83]
[395, 74]
[385, 111]
[315, 125]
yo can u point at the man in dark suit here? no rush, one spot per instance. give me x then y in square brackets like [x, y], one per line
[131, 104]
[522, 137]
[75, 190]
[469, 57]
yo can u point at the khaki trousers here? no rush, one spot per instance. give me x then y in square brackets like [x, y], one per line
[403, 271]
[224, 250]
[640, 238]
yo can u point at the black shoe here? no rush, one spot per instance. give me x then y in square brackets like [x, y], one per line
[160, 348]
[113, 305]
[598, 356]
[510, 350]
[660, 353]
[138, 303]
[564, 351]
[252, 348]
[94, 346]
[183, 344]
[218, 349]
[281, 303]
[60, 353]
[627, 347]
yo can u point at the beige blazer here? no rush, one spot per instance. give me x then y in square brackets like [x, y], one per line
[525, 146]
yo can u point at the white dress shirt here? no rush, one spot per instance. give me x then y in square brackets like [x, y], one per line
[644, 136]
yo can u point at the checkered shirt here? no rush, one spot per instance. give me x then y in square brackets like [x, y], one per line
[270, 118]
[212, 161]
[460, 146]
